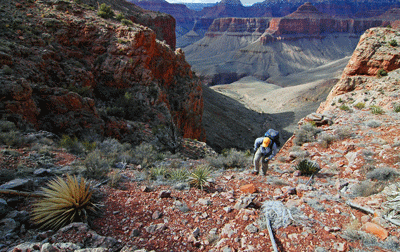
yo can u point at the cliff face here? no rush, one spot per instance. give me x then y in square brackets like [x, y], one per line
[239, 25]
[308, 20]
[374, 53]
[68, 71]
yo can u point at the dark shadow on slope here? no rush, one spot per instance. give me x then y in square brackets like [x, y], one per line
[229, 124]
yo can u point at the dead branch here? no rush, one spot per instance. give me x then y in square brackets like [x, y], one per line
[20, 193]
[271, 235]
[364, 209]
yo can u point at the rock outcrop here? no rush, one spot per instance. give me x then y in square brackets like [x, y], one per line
[65, 74]
[376, 51]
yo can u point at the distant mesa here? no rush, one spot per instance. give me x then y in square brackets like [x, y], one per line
[306, 10]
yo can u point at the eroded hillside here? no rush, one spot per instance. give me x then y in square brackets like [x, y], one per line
[69, 70]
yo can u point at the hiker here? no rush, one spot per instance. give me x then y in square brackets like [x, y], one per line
[265, 148]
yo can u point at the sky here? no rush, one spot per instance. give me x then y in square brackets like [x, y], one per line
[244, 2]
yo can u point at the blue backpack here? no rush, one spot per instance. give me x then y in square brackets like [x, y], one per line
[273, 135]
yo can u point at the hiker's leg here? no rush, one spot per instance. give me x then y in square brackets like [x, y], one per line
[257, 158]
[264, 166]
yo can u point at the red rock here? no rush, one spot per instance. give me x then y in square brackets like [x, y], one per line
[249, 188]
[377, 230]
[91, 56]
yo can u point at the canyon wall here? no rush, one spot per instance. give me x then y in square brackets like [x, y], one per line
[72, 72]
[270, 47]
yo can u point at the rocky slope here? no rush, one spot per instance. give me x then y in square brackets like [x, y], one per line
[262, 47]
[69, 71]
[342, 207]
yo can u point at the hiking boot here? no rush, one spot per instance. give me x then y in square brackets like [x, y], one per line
[254, 173]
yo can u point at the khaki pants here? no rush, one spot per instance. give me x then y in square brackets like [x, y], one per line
[260, 158]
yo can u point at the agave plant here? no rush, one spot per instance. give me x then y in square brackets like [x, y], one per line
[62, 203]
[307, 167]
[200, 176]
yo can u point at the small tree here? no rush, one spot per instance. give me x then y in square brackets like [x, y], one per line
[105, 11]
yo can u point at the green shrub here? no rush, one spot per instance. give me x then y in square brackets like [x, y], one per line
[10, 135]
[105, 11]
[72, 145]
[373, 124]
[344, 107]
[360, 105]
[120, 16]
[111, 147]
[89, 146]
[343, 132]
[63, 202]
[114, 179]
[305, 134]
[393, 42]
[97, 165]
[325, 140]
[126, 22]
[376, 110]
[383, 174]
[381, 73]
[366, 188]
[307, 167]
[198, 178]
[231, 158]
[145, 155]
[396, 108]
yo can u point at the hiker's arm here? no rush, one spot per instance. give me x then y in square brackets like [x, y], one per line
[257, 143]
[274, 151]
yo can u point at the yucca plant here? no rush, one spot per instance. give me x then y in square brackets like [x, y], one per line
[307, 167]
[179, 174]
[159, 171]
[200, 176]
[62, 203]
